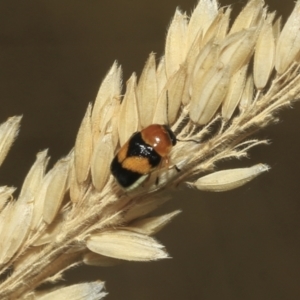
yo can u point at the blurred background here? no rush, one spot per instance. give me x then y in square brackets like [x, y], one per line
[242, 244]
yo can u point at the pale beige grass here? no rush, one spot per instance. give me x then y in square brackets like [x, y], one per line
[223, 84]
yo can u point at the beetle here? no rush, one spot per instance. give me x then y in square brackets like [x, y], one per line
[144, 152]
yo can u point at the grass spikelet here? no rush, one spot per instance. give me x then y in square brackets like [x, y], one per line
[89, 291]
[56, 190]
[288, 45]
[147, 92]
[83, 150]
[126, 245]
[129, 116]
[215, 86]
[8, 132]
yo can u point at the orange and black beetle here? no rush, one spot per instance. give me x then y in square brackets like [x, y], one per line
[141, 154]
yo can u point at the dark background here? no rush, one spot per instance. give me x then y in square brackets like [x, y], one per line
[242, 244]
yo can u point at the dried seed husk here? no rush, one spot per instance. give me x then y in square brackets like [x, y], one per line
[35, 175]
[193, 53]
[205, 61]
[8, 132]
[201, 19]
[234, 94]
[5, 195]
[218, 28]
[264, 56]
[76, 189]
[175, 88]
[210, 84]
[150, 226]
[84, 147]
[109, 120]
[147, 92]
[113, 126]
[39, 202]
[128, 117]
[228, 179]
[223, 25]
[161, 76]
[247, 95]
[175, 50]
[110, 88]
[288, 45]
[56, 189]
[126, 245]
[94, 259]
[237, 48]
[101, 160]
[250, 16]
[17, 218]
[160, 115]
[171, 97]
[215, 85]
[190, 64]
[80, 291]
[5, 216]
